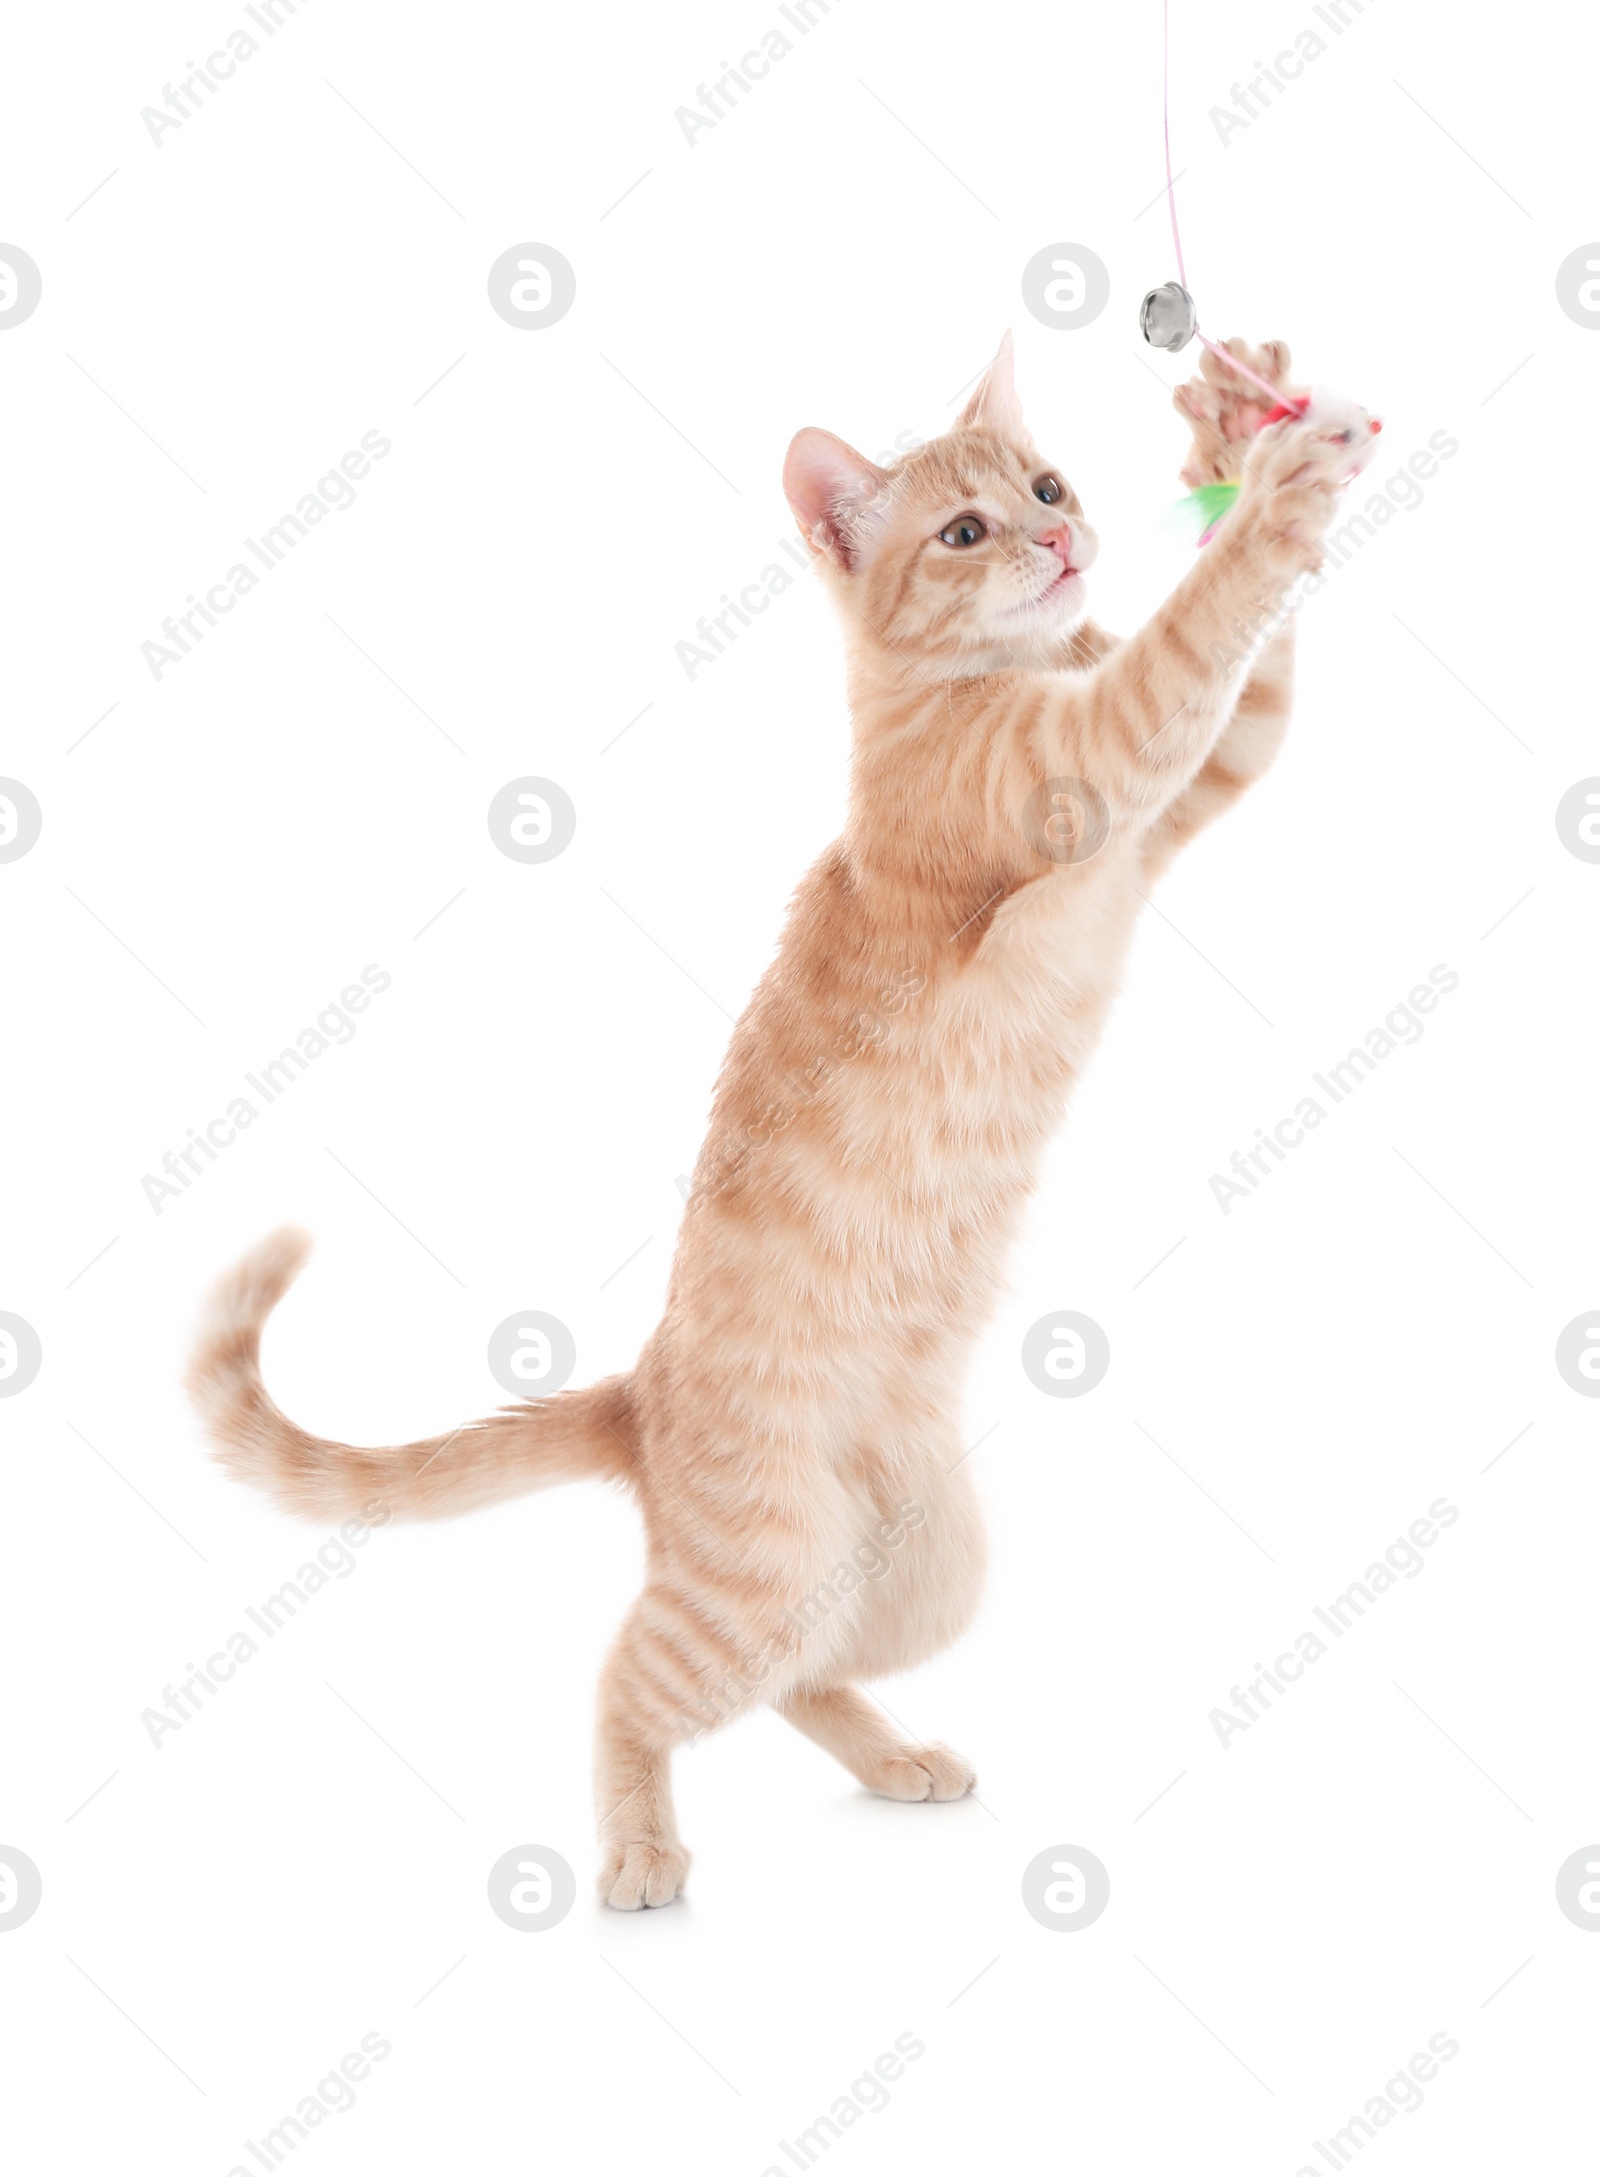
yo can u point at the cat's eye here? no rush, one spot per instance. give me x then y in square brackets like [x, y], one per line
[965, 529]
[1048, 489]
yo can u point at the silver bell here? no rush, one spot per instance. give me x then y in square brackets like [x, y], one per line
[1167, 316]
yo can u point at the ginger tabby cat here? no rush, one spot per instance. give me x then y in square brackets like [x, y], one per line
[792, 1428]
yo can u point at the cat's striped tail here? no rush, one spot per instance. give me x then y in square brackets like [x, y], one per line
[564, 1438]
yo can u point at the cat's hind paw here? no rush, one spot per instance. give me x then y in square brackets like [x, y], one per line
[921, 1772]
[640, 1873]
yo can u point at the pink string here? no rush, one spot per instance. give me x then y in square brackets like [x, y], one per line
[1274, 393]
[1166, 133]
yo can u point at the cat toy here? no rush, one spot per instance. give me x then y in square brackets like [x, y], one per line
[1169, 320]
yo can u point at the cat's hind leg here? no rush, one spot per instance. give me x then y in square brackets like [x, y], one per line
[843, 1720]
[923, 1577]
[677, 1672]
[642, 1858]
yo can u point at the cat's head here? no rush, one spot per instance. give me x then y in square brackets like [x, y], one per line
[966, 557]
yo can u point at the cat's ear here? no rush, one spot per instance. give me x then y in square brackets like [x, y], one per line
[838, 495]
[994, 404]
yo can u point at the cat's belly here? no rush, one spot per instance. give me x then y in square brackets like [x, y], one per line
[853, 1345]
[922, 1578]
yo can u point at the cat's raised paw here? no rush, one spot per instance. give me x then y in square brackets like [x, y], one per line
[1291, 492]
[922, 1772]
[1225, 409]
[633, 1875]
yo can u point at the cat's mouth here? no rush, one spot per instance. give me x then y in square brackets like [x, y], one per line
[1054, 592]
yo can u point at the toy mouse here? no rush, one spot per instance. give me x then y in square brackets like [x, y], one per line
[1229, 403]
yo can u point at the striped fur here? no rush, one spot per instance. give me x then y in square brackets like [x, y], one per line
[792, 1429]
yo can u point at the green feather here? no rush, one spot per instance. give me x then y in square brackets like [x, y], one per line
[1204, 507]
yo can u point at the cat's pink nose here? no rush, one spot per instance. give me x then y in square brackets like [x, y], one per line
[1059, 541]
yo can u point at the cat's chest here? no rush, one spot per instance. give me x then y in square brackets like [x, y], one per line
[1050, 964]
[985, 1074]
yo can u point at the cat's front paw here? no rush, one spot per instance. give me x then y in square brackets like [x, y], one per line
[1293, 476]
[1225, 409]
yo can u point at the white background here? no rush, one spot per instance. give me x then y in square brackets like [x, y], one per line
[1294, 1385]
